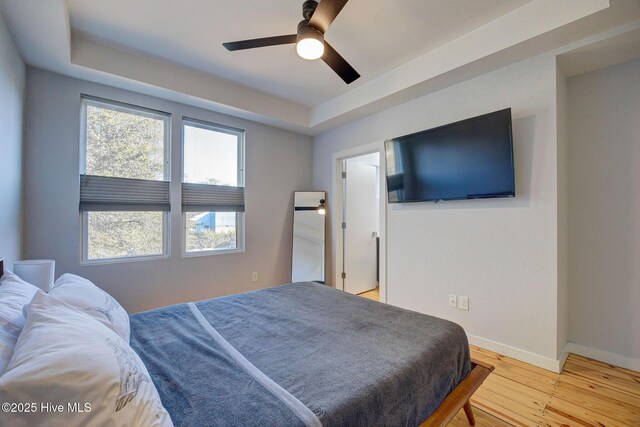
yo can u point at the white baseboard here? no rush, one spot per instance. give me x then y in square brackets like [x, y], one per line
[603, 356]
[516, 353]
[553, 364]
[563, 357]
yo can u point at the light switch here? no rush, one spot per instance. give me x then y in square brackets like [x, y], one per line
[453, 301]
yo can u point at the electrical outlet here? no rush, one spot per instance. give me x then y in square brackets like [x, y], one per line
[463, 303]
[453, 301]
[255, 277]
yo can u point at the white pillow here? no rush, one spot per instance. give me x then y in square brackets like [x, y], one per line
[65, 357]
[15, 293]
[84, 295]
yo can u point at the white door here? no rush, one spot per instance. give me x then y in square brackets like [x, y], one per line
[361, 220]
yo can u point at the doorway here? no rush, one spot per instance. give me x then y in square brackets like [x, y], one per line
[360, 225]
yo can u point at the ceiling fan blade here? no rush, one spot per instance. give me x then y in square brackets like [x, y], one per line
[339, 64]
[325, 13]
[263, 42]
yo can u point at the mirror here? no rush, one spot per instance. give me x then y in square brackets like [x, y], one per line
[307, 261]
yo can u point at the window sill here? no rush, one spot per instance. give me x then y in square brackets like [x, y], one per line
[104, 261]
[212, 252]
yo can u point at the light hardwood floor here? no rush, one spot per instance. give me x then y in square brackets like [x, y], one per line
[587, 393]
[373, 294]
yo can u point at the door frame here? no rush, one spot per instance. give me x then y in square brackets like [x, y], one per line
[336, 216]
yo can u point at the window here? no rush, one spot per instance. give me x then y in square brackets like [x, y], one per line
[124, 188]
[213, 188]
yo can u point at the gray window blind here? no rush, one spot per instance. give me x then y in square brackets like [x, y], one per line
[214, 198]
[102, 193]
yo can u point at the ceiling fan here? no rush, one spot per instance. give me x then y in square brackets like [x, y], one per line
[309, 39]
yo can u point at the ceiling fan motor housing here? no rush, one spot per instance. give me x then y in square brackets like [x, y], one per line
[308, 7]
[307, 32]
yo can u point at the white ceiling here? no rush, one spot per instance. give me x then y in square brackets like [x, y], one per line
[403, 49]
[375, 36]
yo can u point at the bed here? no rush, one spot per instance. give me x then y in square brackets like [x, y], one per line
[301, 354]
[305, 354]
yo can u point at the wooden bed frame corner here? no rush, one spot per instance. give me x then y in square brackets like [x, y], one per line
[459, 397]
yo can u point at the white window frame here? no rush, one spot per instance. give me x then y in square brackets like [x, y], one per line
[87, 100]
[240, 216]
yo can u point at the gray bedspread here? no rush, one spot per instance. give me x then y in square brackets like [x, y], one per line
[296, 355]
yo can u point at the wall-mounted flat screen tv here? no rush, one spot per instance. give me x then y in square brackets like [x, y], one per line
[470, 159]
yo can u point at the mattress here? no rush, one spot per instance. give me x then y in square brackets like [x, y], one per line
[301, 354]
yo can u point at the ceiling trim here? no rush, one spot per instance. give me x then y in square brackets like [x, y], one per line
[537, 27]
[604, 50]
[220, 93]
[525, 23]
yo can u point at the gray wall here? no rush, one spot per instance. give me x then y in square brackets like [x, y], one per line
[12, 81]
[604, 209]
[277, 163]
[501, 253]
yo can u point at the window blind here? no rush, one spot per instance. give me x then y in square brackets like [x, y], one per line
[212, 198]
[103, 193]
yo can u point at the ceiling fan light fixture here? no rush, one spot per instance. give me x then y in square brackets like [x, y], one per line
[310, 43]
[309, 38]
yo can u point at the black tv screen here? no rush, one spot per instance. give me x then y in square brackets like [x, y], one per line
[470, 159]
